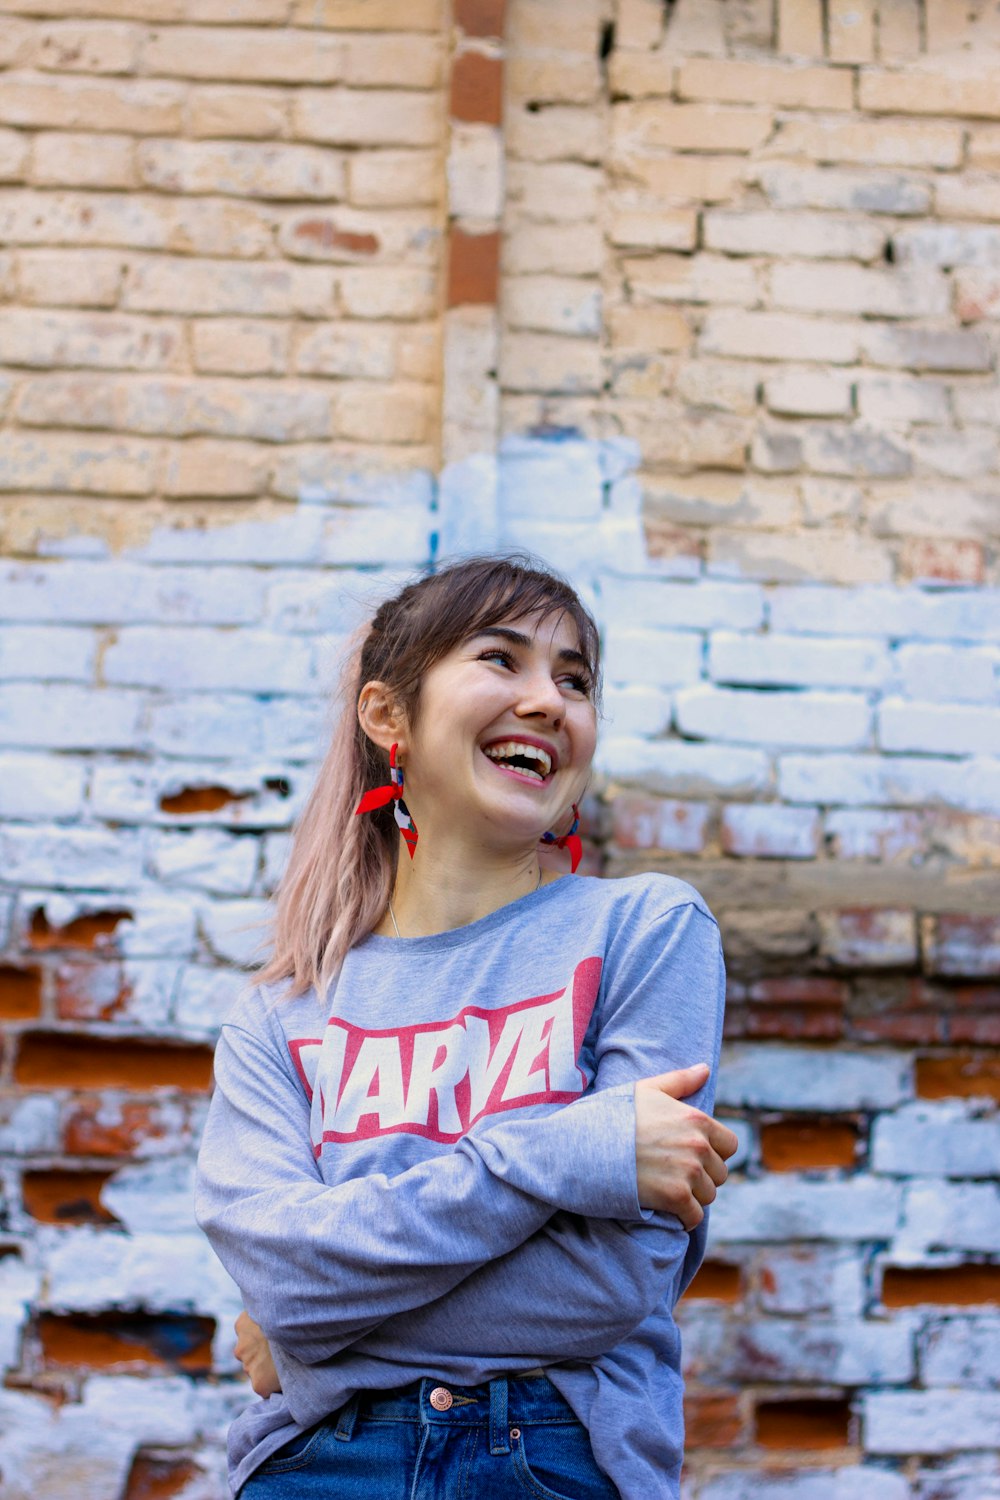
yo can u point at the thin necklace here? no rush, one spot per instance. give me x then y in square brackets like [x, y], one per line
[395, 924]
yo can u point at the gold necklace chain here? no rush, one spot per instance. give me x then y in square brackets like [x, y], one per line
[395, 924]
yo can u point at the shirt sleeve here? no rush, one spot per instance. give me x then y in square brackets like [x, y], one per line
[319, 1264]
[577, 1287]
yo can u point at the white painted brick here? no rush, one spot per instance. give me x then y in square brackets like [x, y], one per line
[683, 770]
[909, 781]
[948, 245]
[695, 606]
[276, 848]
[205, 998]
[47, 652]
[222, 725]
[945, 673]
[972, 1476]
[555, 479]
[150, 986]
[317, 601]
[658, 658]
[883, 937]
[784, 1207]
[29, 1126]
[836, 1351]
[939, 1421]
[836, 720]
[153, 1196]
[948, 1216]
[130, 791]
[769, 831]
[850, 1483]
[924, 614]
[157, 925]
[961, 1351]
[120, 593]
[34, 854]
[68, 717]
[40, 786]
[665, 823]
[192, 660]
[941, 728]
[940, 1139]
[766, 1075]
[353, 535]
[19, 1289]
[205, 858]
[235, 930]
[89, 1271]
[895, 398]
[813, 1279]
[869, 834]
[779, 660]
[631, 711]
[294, 540]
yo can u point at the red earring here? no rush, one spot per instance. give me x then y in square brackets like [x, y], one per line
[393, 792]
[570, 841]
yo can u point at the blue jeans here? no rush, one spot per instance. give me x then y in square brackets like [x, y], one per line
[510, 1437]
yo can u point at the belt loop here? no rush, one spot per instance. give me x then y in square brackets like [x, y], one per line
[348, 1416]
[499, 1432]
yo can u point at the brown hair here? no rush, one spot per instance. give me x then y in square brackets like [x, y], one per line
[342, 868]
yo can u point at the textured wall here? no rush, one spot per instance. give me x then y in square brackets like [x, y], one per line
[699, 301]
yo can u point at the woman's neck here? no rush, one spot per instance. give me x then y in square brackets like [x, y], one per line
[437, 895]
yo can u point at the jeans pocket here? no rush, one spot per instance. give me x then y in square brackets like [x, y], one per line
[556, 1462]
[298, 1452]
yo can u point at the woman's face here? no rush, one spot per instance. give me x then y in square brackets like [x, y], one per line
[505, 731]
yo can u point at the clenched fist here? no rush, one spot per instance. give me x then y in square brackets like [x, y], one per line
[680, 1152]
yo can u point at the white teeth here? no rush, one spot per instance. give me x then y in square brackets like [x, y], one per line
[506, 748]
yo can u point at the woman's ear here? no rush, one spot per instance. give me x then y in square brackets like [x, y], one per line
[381, 716]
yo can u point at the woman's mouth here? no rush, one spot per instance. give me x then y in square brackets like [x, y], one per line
[527, 763]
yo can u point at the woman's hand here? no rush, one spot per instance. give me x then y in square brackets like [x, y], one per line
[254, 1354]
[680, 1152]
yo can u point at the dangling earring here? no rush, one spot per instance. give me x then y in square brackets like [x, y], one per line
[570, 841]
[393, 792]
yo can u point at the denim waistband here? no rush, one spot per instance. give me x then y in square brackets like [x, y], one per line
[514, 1400]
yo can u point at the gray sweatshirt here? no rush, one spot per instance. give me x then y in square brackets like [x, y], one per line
[431, 1172]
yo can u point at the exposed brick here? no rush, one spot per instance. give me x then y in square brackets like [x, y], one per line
[57, 1196]
[20, 993]
[657, 823]
[717, 1281]
[95, 1125]
[386, 179]
[137, 107]
[868, 937]
[802, 1423]
[124, 1340]
[690, 127]
[58, 1059]
[683, 179]
[712, 1419]
[159, 1477]
[473, 267]
[368, 117]
[958, 1076]
[231, 112]
[85, 47]
[791, 1146]
[957, 1286]
[242, 169]
[94, 929]
[480, 17]
[477, 88]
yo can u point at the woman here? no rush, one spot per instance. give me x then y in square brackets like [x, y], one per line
[446, 1161]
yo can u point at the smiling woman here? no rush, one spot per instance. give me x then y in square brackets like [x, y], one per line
[448, 1160]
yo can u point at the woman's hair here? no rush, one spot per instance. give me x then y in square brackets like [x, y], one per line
[341, 869]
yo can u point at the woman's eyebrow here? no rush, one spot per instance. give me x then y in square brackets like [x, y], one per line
[517, 638]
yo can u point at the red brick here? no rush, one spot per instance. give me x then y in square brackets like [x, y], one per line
[71, 1060]
[20, 993]
[61, 1197]
[967, 1075]
[791, 1146]
[794, 1022]
[158, 1477]
[200, 799]
[96, 1126]
[805, 990]
[803, 1424]
[473, 268]
[91, 992]
[94, 929]
[477, 89]
[717, 1281]
[121, 1341]
[712, 1419]
[480, 17]
[956, 1286]
[977, 1031]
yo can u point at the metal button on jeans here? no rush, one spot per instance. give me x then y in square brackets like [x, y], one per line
[441, 1399]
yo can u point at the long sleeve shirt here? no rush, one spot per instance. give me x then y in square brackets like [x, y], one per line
[431, 1171]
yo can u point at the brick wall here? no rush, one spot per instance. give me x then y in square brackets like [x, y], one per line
[698, 300]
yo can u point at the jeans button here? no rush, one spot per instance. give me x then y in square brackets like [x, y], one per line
[441, 1399]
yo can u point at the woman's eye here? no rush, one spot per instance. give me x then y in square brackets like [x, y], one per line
[498, 655]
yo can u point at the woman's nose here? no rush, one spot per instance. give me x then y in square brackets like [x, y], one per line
[542, 695]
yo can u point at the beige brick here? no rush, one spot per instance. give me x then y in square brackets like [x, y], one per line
[859, 188]
[104, 341]
[800, 28]
[901, 398]
[349, 351]
[76, 465]
[926, 92]
[387, 179]
[370, 15]
[693, 278]
[553, 304]
[243, 54]
[972, 195]
[385, 413]
[242, 169]
[387, 292]
[85, 47]
[897, 292]
[738, 82]
[899, 30]
[567, 249]
[642, 223]
[231, 111]
[564, 132]
[404, 237]
[162, 284]
[56, 278]
[210, 469]
[554, 26]
[385, 61]
[830, 500]
[689, 127]
[651, 328]
[962, 350]
[17, 38]
[719, 496]
[208, 227]
[368, 117]
[851, 27]
[870, 142]
[817, 555]
[14, 148]
[770, 336]
[724, 385]
[554, 190]
[933, 508]
[637, 375]
[419, 352]
[977, 294]
[641, 75]
[984, 146]
[808, 393]
[705, 26]
[239, 346]
[204, 11]
[936, 560]
[546, 363]
[968, 454]
[684, 437]
[765, 232]
[639, 23]
[554, 78]
[138, 108]
[685, 179]
[64, 159]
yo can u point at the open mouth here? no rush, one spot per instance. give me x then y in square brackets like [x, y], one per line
[528, 763]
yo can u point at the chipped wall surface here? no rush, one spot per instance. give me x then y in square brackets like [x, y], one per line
[696, 300]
